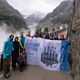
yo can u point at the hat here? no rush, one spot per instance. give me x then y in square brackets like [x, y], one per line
[62, 35]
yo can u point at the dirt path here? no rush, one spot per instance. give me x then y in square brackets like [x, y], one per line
[37, 73]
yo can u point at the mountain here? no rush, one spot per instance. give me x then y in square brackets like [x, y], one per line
[11, 17]
[34, 18]
[60, 15]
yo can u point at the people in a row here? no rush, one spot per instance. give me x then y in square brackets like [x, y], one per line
[14, 51]
[47, 35]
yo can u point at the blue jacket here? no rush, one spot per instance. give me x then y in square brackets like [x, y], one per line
[7, 48]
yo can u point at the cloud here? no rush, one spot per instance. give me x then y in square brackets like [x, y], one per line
[27, 7]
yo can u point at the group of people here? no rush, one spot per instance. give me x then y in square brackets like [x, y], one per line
[14, 51]
[47, 35]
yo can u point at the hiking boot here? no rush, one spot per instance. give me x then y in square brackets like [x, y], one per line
[21, 70]
[7, 76]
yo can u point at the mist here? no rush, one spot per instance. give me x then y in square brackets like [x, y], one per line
[4, 33]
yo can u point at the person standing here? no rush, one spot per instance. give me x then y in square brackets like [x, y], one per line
[21, 41]
[46, 33]
[29, 34]
[22, 48]
[62, 37]
[15, 54]
[7, 53]
[56, 37]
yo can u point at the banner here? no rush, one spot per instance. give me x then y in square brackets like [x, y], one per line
[45, 53]
[32, 46]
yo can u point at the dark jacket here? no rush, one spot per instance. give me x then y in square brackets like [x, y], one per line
[46, 36]
[62, 39]
[16, 46]
[56, 38]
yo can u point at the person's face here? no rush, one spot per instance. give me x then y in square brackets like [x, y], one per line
[11, 38]
[61, 37]
[56, 37]
[21, 33]
[16, 39]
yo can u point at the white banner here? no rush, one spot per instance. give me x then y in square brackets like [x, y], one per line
[44, 53]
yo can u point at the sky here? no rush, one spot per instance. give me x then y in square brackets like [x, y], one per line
[27, 7]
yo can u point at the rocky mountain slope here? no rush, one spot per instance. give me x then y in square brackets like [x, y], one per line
[11, 17]
[34, 18]
[60, 15]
